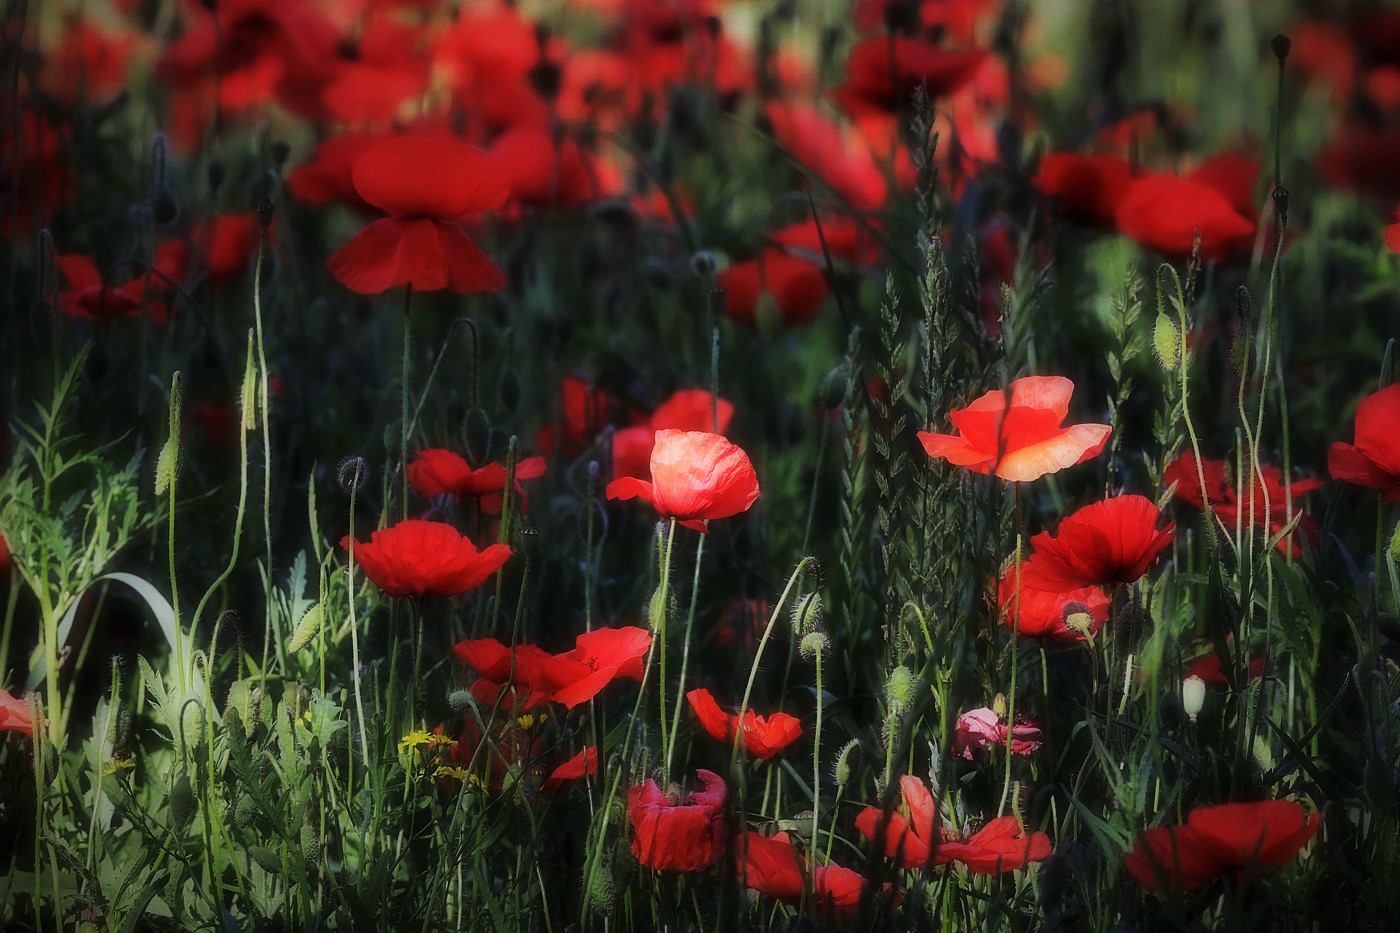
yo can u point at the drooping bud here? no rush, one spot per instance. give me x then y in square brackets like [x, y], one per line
[1166, 342]
[353, 473]
[899, 689]
[813, 646]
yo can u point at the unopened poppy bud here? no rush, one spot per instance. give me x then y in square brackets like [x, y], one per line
[1281, 200]
[166, 465]
[476, 436]
[1166, 342]
[834, 389]
[165, 208]
[842, 770]
[656, 609]
[813, 646]
[601, 890]
[248, 397]
[703, 263]
[353, 473]
[459, 701]
[899, 689]
[807, 614]
[267, 211]
[546, 78]
[1281, 45]
[1193, 696]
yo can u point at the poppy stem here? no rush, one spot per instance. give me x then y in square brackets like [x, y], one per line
[758, 656]
[354, 626]
[1015, 654]
[685, 653]
[660, 611]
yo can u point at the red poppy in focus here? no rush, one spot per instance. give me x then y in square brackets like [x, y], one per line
[1229, 838]
[1000, 846]
[762, 736]
[1374, 460]
[1059, 615]
[982, 728]
[584, 764]
[597, 659]
[799, 288]
[1103, 544]
[15, 715]
[1165, 212]
[1088, 187]
[1225, 498]
[418, 558]
[425, 185]
[772, 866]
[437, 472]
[1020, 438]
[696, 476]
[668, 835]
[685, 410]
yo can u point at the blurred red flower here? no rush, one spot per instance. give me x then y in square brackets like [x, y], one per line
[772, 866]
[424, 184]
[88, 297]
[668, 835]
[1102, 544]
[88, 61]
[696, 476]
[597, 659]
[1000, 846]
[1047, 613]
[550, 171]
[437, 472]
[1225, 499]
[1088, 187]
[834, 153]
[799, 288]
[1020, 438]
[1165, 212]
[763, 737]
[685, 410]
[1229, 838]
[228, 242]
[418, 558]
[582, 765]
[583, 410]
[882, 73]
[1374, 460]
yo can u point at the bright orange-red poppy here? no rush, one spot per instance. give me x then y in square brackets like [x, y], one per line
[762, 736]
[418, 558]
[1103, 544]
[696, 476]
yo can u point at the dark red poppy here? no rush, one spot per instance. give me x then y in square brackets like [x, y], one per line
[583, 410]
[597, 659]
[668, 835]
[685, 410]
[1064, 615]
[584, 764]
[956, 20]
[487, 56]
[38, 179]
[418, 558]
[1088, 187]
[1324, 51]
[983, 728]
[425, 184]
[547, 171]
[772, 866]
[327, 176]
[1234, 838]
[762, 736]
[375, 77]
[87, 296]
[437, 472]
[1235, 175]
[1366, 161]
[696, 476]
[1102, 544]
[883, 72]
[228, 242]
[842, 237]
[87, 62]
[1374, 460]
[1020, 438]
[798, 287]
[1166, 213]
[1226, 502]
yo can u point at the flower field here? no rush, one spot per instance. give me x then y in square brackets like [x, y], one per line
[608, 465]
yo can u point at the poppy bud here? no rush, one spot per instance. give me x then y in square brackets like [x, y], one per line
[703, 263]
[1166, 342]
[476, 436]
[1281, 44]
[601, 890]
[842, 771]
[899, 689]
[166, 465]
[459, 701]
[510, 389]
[1193, 696]
[834, 389]
[267, 211]
[310, 845]
[165, 209]
[248, 397]
[353, 473]
[813, 646]
[546, 78]
[280, 151]
[807, 614]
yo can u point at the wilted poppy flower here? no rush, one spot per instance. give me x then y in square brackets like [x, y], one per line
[582, 765]
[1225, 499]
[668, 835]
[1102, 544]
[772, 866]
[425, 185]
[1020, 440]
[762, 736]
[418, 558]
[982, 728]
[1088, 187]
[1374, 460]
[1059, 615]
[685, 410]
[1166, 213]
[14, 714]
[1229, 838]
[437, 472]
[695, 477]
[597, 659]
[798, 287]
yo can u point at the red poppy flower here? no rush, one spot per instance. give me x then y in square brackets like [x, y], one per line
[546, 171]
[882, 73]
[1102, 544]
[228, 242]
[437, 472]
[583, 410]
[1232, 837]
[1225, 499]
[1165, 213]
[597, 659]
[798, 287]
[1020, 441]
[668, 835]
[842, 237]
[1235, 175]
[685, 410]
[424, 184]
[1364, 160]
[1088, 187]
[15, 715]
[837, 155]
[763, 736]
[328, 175]
[88, 297]
[584, 764]
[4, 555]
[1048, 613]
[911, 832]
[983, 728]
[695, 477]
[87, 61]
[418, 558]
[1207, 667]
[1000, 846]
[1374, 460]
[372, 79]
[1324, 51]
[772, 866]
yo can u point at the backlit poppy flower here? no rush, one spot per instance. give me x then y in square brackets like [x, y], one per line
[836, 154]
[437, 472]
[1103, 544]
[1229, 838]
[998, 847]
[1225, 498]
[983, 728]
[597, 659]
[582, 765]
[1088, 187]
[799, 288]
[418, 558]
[685, 410]
[882, 73]
[1059, 615]
[1165, 212]
[668, 835]
[762, 736]
[1020, 441]
[696, 476]
[424, 184]
[772, 866]
[15, 715]
[1374, 460]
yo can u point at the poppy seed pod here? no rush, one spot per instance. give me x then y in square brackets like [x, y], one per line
[1281, 45]
[459, 700]
[1193, 696]
[353, 473]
